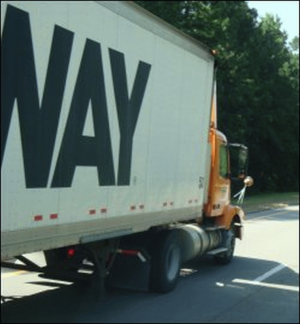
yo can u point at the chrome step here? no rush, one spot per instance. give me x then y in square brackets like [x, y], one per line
[213, 228]
[217, 251]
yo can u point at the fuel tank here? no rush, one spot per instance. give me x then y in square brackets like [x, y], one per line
[195, 240]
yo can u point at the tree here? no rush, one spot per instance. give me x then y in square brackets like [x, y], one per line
[258, 82]
[294, 44]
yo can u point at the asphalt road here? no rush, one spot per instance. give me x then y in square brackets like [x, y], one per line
[261, 285]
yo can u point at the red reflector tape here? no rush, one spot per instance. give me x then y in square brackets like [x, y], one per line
[53, 216]
[71, 252]
[165, 204]
[103, 210]
[142, 206]
[133, 253]
[129, 252]
[92, 211]
[38, 218]
[132, 207]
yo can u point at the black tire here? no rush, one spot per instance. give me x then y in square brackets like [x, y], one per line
[228, 242]
[165, 262]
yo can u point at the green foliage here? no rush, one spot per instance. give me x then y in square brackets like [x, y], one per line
[294, 44]
[258, 82]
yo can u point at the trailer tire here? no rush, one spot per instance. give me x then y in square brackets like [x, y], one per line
[165, 262]
[228, 242]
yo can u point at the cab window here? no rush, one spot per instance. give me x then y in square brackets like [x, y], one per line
[223, 170]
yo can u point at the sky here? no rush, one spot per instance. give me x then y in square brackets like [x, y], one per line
[287, 11]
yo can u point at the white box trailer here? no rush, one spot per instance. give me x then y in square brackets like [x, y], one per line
[105, 119]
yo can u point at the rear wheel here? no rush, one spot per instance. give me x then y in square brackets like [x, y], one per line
[165, 262]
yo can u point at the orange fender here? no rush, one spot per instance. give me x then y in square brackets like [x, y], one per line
[232, 215]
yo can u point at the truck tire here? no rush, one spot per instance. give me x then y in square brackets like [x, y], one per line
[229, 243]
[165, 262]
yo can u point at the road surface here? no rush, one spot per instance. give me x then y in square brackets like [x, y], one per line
[261, 285]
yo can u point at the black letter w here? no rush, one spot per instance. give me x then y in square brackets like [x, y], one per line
[38, 125]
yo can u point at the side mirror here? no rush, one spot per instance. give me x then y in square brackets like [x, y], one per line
[238, 161]
[248, 181]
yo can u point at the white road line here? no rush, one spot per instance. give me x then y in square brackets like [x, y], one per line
[267, 285]
[258, 280]
[270, 273]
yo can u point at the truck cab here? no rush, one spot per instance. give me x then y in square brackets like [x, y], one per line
[228, 162]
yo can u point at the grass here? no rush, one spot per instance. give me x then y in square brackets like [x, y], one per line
[270, 201]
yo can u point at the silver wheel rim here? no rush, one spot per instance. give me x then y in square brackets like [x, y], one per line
[173, 262]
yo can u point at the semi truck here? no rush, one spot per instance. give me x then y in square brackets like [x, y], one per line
[109, 144]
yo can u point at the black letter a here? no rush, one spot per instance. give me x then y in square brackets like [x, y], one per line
[82, 150]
